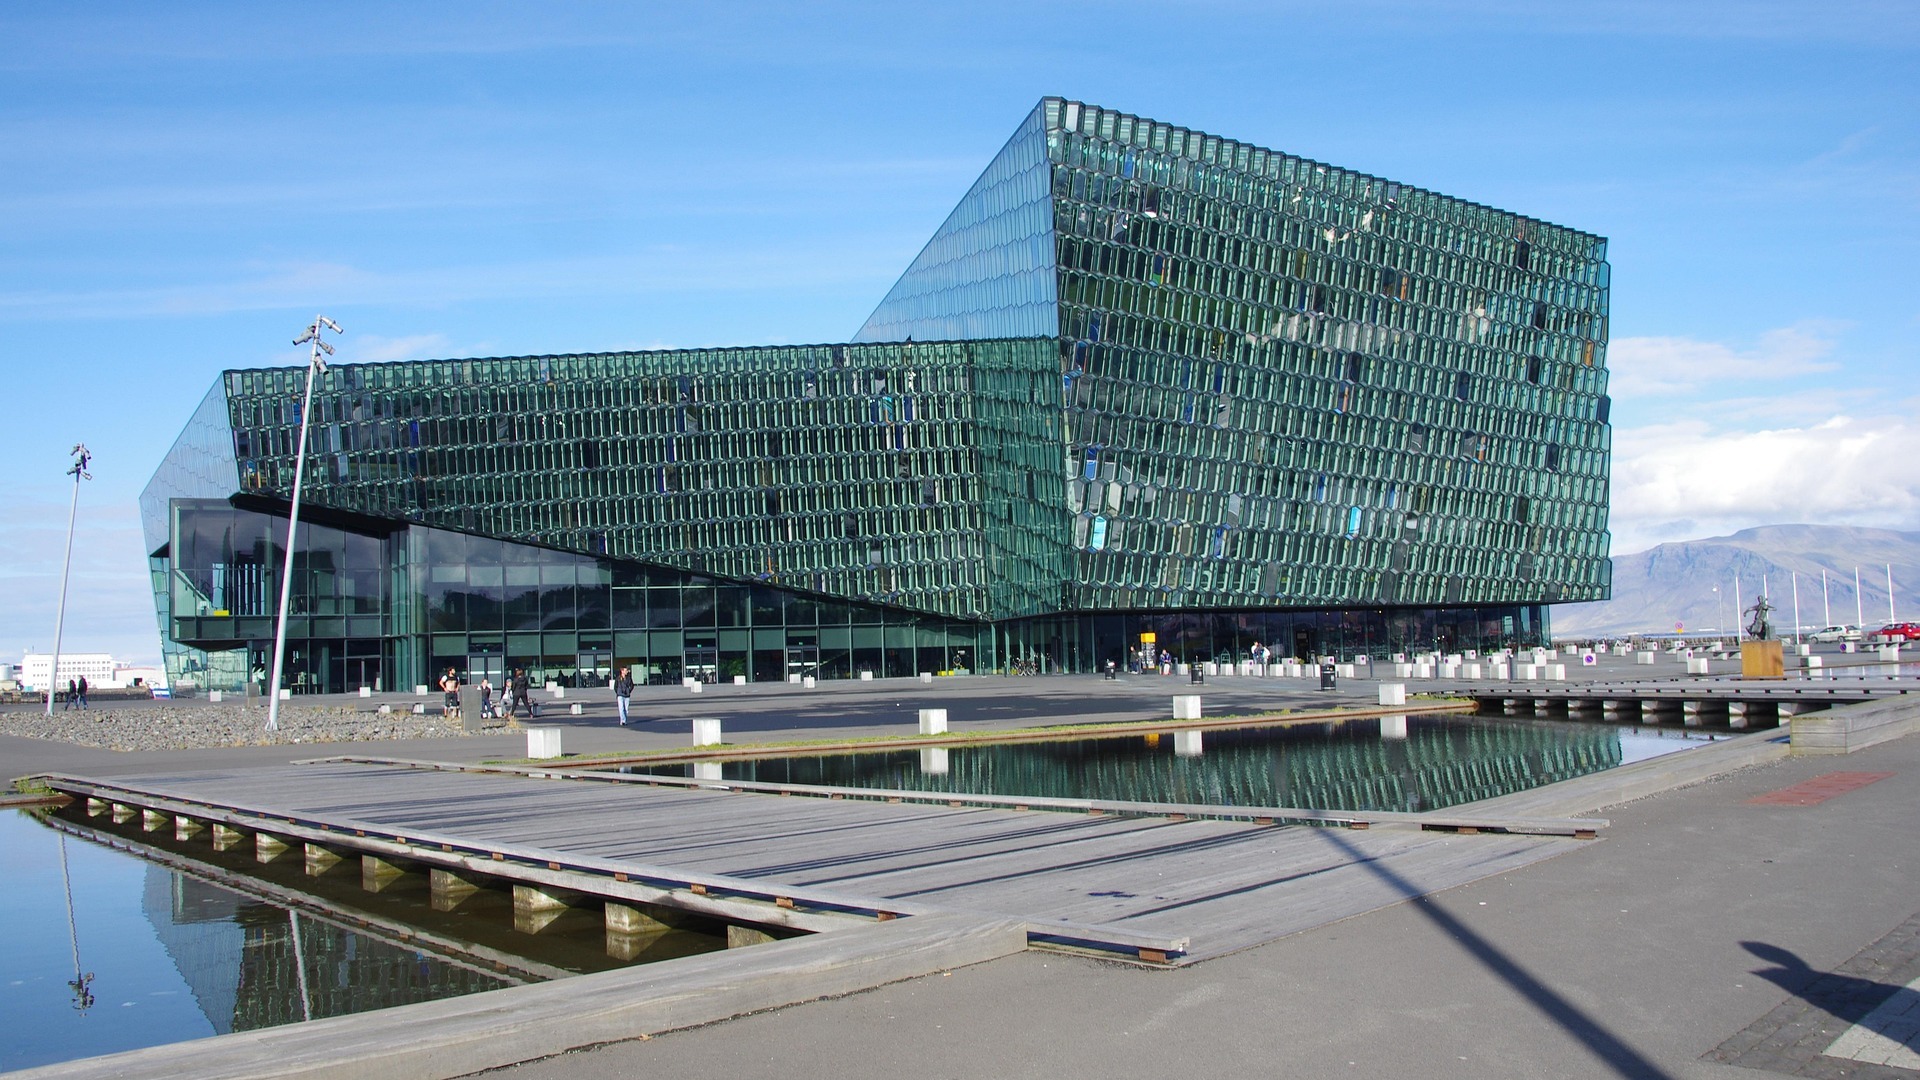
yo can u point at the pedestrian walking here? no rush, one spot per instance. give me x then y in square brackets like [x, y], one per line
[622, 692]
[520, 697]
[73, 696]
[83, 691]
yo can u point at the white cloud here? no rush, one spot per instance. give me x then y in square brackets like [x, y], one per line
[1654, 367]
[1686, 480]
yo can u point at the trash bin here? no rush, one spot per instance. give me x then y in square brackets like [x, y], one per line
[1327, 676]
[1197, 673]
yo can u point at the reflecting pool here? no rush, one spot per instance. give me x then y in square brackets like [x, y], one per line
[1400, 763]
[102, 950]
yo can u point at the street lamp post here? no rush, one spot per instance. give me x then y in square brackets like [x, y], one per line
[317, 364]
[81, 457]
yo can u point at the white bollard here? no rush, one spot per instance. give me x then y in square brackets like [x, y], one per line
[559, 692]
[1643, 658]
[1186, 744]
[1343, 671]
[926, 676]
[1211, 669]
[1803, 650]
[933, 721]
[1557, 672]
[1470, 671]
[706, 731]
[739, 680]
[214, 696]
[1393, 693]
[1449, 670]
[286, 694]
[706, 770]
[794, 678]
[1502, 671]
[420, 691]
[807, 682]
[1423, 671]
[385, 708]
[543, 741]
[697, 687]
[866, 676]
[1813, 661]
[1529, 671]
[1403, 671]
[574, 709]
[366, 691]
[1186, 706]
[1699, 666]
[419, 709]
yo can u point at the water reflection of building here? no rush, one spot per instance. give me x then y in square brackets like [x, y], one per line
[1439, 763]
[239, 958]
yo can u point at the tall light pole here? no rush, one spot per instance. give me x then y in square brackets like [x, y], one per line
[1859, 604]
[316, 365]
[81, 457]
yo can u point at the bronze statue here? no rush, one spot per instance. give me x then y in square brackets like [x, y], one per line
[1760, 629]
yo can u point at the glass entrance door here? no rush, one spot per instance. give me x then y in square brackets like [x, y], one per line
[596, 669]
[703, 663]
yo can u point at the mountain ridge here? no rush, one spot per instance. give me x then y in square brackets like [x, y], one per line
[1670, 587]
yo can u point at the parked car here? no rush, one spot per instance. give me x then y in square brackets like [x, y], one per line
[1835, 633]
[1900, 631]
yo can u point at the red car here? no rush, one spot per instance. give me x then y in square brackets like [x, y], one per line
[1904, 631]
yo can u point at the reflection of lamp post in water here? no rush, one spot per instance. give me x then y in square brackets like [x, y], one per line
[320, 322]
[300, 965]
[82, 981]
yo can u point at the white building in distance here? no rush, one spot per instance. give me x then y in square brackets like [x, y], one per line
[99, 669]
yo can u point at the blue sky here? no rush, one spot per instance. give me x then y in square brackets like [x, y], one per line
[182, 187]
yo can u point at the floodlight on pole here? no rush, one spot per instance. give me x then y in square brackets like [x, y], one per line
[81, 458]
[315, 365]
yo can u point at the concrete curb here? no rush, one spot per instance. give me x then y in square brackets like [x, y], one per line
[437, 1040]
[1587, 794]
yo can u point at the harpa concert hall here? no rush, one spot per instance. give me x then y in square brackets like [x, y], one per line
[1146, 389]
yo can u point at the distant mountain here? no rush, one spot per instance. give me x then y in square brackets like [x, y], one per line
[1673, 584]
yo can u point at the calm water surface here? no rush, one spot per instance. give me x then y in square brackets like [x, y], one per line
[166, 955]
[1420, 763]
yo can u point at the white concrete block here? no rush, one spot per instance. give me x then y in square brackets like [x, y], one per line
[1186, 706]
[1449, 670]
[707, 770]
[1557, 672]
[1471, 671]
[574, 709]
[1529, 671]
[1699, 666]
[706, 731]
[1393, 727]
[1211, 668]
[1186, 744]
[214, 696]
[286, 694]
[697, 687]
[807, 682]
[1889, 652]
[794, 678]
[1813, 661]
[933, 721]
[1393, 693]
[1343, 671]
[866, 676]
[1803, 650]
[559, 692]
[739, 680]
[933, 760]
[1398, 658]
[1423, 671]
[385, 708]
[1643, 658]
[543, 741]
[366, 691]
[1503, 671]
[419, 709]
[420, 691]
[1403, 671]
[926, 676]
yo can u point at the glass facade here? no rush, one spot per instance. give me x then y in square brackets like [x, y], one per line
[1142, 381]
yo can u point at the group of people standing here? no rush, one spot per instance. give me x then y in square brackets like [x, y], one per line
[515, 695]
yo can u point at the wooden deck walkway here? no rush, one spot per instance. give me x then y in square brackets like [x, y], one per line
[1219, 886]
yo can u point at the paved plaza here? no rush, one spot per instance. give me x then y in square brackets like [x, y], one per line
[1726, 929]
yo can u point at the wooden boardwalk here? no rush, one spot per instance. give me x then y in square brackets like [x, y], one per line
[1220, 886]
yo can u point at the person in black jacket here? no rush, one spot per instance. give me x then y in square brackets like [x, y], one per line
[520, 694]
[622, 691]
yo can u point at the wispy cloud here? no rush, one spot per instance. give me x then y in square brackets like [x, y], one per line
[1658, 367]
